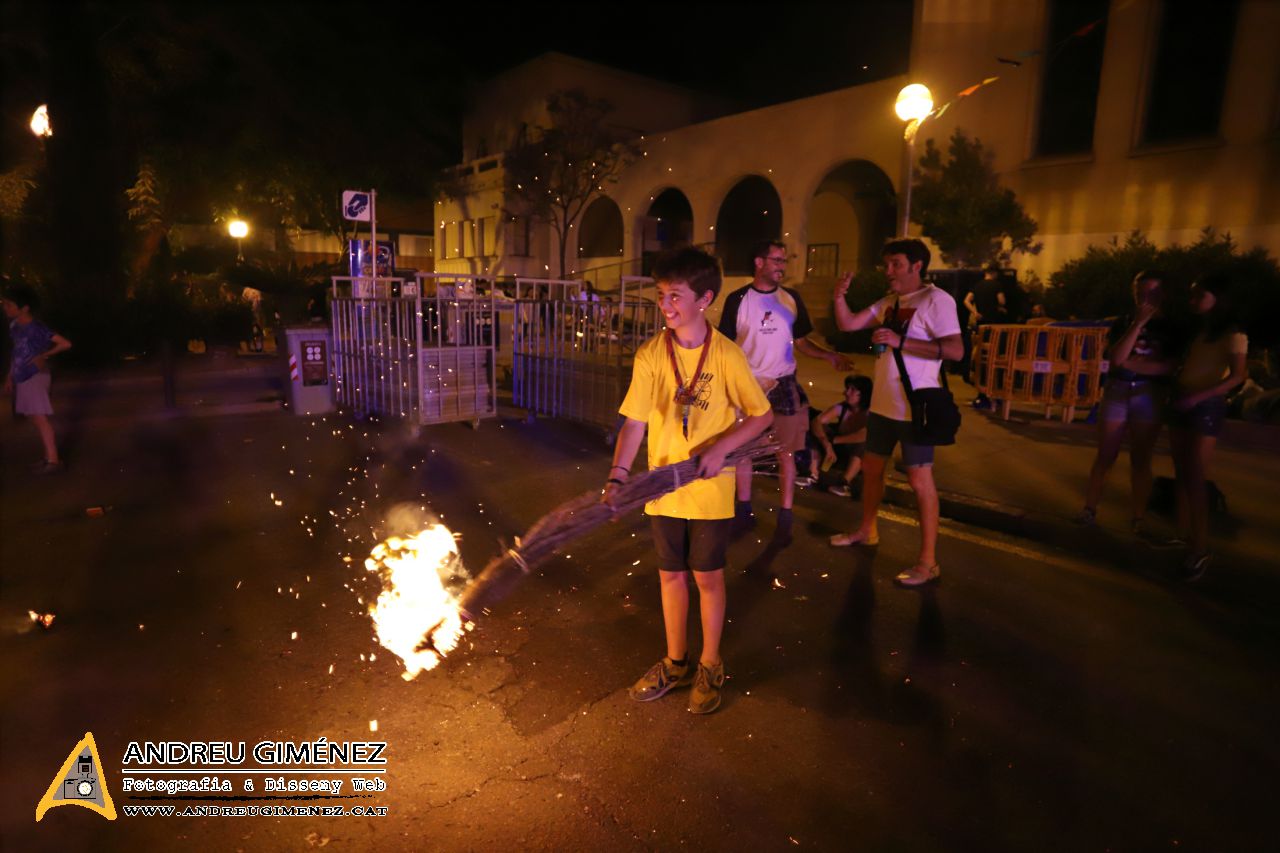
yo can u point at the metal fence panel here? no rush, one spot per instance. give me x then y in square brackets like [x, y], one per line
[572, 358]
[421, 348]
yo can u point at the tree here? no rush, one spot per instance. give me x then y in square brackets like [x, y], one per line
[553, 173]
[960, 205]
[1097, 284]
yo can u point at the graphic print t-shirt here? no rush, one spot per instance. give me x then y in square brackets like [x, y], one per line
[726, 384]
[29, 340]
[1157, 340]
[927, 315]
[766, 326]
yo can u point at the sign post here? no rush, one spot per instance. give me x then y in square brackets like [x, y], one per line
[361, 206]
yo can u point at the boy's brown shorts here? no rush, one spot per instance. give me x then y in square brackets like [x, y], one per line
[684, 544]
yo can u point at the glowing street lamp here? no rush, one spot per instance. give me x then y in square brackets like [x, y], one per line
[239, 229]
[914, 105]
[40, 124]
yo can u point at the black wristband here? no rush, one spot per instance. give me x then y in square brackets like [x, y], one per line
[615, 481]
[620, 468]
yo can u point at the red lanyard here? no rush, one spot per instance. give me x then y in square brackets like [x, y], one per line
[684, 393]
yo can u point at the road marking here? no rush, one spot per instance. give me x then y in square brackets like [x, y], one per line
[946, 528]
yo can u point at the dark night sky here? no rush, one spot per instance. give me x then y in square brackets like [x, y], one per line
[377, 95]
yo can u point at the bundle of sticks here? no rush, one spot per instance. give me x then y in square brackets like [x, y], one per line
[576, 518]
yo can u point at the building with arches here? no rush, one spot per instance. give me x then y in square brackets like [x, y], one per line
[1094, 121]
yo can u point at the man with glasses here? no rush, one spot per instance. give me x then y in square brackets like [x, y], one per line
[770, 323]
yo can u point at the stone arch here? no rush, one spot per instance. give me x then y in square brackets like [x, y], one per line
[751, 212]
[851, 213]
[666, 224]
[600, 232]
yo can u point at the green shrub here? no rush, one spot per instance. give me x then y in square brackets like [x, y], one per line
[1097, 284]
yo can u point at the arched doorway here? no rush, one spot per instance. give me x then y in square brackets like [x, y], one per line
[750, 213]
[667, 224]
[600, 231]
[851, 214]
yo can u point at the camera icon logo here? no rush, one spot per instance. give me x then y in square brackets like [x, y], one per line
[79, 783]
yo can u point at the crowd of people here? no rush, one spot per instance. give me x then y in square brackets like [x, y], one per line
[703, 391]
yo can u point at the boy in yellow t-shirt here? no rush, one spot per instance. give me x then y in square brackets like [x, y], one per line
[687, 386]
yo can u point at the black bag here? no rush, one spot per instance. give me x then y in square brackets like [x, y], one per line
[935, 417]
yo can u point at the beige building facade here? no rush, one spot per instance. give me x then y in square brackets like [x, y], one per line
[1165, 156]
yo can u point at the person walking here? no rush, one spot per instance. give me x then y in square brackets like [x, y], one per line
[920, 321]
[28, 378]
[771, 324]
[987, 304]
[1214, 364]
[687, 386]
[1143, 356]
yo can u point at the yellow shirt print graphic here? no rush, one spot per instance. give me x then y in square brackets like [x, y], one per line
[724, 387]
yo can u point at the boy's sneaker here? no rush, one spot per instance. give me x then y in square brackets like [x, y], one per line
[805, 482]
[707, 685]
[841, 489]
[663, 677]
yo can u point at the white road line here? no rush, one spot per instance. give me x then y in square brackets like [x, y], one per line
[946, 529]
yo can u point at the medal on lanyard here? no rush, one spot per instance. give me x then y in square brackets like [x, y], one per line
[685, 396]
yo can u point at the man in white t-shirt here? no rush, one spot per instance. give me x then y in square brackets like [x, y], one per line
[921, 321]
[771, 324]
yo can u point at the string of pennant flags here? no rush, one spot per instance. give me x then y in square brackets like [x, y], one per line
[1017, 59]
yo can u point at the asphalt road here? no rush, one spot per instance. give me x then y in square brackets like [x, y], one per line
[1031, 701]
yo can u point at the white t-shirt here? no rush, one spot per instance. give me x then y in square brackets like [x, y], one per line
[766, 325]
[929, 314]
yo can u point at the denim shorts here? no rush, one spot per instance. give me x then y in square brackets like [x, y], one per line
[1140, 401]
[690, 543]
[1204, 418]
[883, 434]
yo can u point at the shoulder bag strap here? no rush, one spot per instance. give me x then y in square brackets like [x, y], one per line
[902, 367]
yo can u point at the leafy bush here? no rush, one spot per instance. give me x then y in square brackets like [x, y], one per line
[1097, 284]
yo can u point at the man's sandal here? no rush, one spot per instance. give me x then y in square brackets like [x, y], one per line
[919, 575]
[844, 540]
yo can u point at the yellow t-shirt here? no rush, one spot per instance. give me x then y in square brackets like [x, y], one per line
[725, 386]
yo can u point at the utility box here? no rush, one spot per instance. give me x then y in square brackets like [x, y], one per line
[310, 384]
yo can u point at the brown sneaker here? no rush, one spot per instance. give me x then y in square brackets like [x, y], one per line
[663, 677]
[707, 685]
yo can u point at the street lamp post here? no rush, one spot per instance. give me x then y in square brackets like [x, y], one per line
[239, 229]
[914, 105]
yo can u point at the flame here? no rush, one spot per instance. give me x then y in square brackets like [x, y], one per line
[416, 617]
[44, 620]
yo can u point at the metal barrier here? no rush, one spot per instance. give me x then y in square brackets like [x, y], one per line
[572, 357]
[460, 332]
[1042, 365]
[420, 348]
[376, 338]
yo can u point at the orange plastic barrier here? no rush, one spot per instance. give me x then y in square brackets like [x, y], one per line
[1041, 365]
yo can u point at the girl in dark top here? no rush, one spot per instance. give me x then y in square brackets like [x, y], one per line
[1143, 358]
[842, 431]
